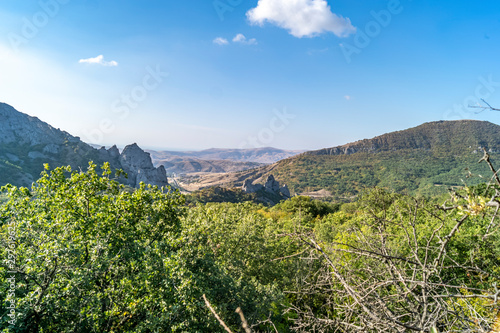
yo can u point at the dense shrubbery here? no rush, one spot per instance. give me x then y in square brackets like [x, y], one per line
[234, 195]
[91, 256]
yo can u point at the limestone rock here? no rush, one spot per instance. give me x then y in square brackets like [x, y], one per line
[285, 191]
[272, 186]
[249, 187]
[36, 142]
[114, 152]
[36, 154]
[51, 149]
[139, 167]
[22, 129]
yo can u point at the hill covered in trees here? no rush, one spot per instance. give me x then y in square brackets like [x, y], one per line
[427, 159]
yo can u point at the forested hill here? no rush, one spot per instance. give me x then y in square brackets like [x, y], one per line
[427, 159]
[449, 136]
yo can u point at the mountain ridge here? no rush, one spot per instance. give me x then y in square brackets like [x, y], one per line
[27, 143]
[425, 159]
[264, 155]
[425, 136]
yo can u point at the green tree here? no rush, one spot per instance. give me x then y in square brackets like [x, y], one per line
[89, 256]
[244, 243]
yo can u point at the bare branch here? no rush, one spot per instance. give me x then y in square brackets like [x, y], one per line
[486, 158]
[216, 315]
[244, 323]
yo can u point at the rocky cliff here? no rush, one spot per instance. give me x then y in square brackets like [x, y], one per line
[437, 135]
[26, 143]
[138, 165]
[271, 186]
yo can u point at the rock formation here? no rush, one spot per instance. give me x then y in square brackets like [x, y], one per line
[26, 143]
[249, 187]
[17, 127]
[139, 167]
[285, 191]
[271, 186]
[136, 163]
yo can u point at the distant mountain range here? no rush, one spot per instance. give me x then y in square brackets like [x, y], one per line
[266, 155]
[27, 143]
[218, 160]
[427, 159]
[186, 165]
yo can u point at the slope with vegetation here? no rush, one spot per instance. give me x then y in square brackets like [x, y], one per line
[81, 253]
[427, 160]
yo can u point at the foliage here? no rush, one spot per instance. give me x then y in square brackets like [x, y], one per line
[219, 194]
[94, 256]
[243, 243]
[90, 257]
[307, 208]
[234, 195]
[396, 263]
[412, 172]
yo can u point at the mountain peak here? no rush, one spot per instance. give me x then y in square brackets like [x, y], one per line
[26, 143]
[19, 127]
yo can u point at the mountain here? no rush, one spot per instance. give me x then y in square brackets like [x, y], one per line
[257, 155]
[449, 136]
[188, 165]
[427, 159]
[26, 143]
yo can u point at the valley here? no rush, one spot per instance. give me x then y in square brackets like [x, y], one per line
[240, 219]
[264, 166]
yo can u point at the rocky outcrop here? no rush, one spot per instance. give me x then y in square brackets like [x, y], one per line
[285, 191]
[26, 143]
[139, 167]
[22, 129]
[272, 186]
[136, 163]
[249, 187]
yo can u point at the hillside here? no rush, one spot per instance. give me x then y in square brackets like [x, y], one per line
[27, 143]
[426, 159]
[446, 136]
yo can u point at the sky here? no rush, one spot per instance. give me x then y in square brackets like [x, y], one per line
[291, 74]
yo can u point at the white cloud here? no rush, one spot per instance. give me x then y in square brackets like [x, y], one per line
[220, 41]
[347, 97]
[99, 60]
[302, 18]
[240, 38]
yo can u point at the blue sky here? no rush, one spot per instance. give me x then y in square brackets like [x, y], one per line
[293, 74]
